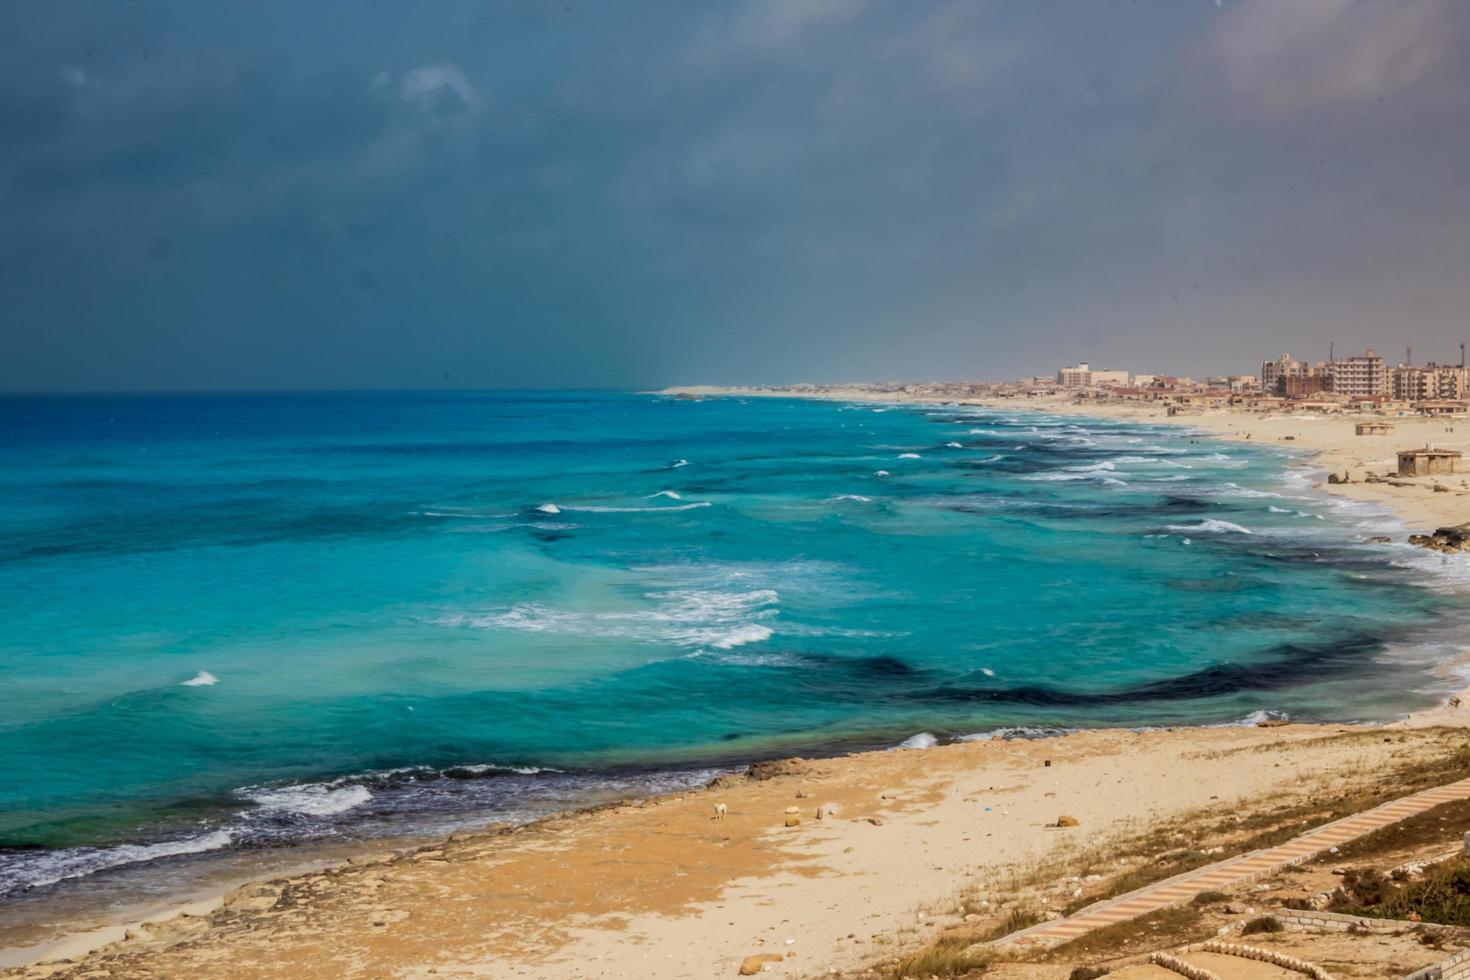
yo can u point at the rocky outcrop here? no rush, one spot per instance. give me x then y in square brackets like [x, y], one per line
[254, 898]
[752, 965]
[1447, 539]
[761, 771]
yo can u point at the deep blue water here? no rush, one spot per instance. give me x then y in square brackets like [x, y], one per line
[237, 620]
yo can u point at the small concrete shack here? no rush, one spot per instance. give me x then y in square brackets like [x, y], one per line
[1428, 462]
[1374, 428]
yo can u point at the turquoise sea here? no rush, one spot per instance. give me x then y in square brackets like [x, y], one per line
[249, 621]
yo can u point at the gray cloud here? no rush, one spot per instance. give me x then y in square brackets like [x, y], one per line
[338, 196]
[1287, 57]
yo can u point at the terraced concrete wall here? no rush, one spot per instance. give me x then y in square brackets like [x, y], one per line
[1336, 921]
[1457, 967]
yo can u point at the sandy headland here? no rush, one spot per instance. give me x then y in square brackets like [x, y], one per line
[847, 866]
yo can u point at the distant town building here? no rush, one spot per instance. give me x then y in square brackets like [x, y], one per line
[1083, 376]
[1076, 376]
[1429, 381]
[1302, 385]
[1242, 384]
[1292, 378]
[1361, 374]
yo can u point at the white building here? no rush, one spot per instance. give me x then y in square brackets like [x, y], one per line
[1077, 376]
[1083, 376]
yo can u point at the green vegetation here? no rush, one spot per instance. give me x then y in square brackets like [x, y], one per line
[1442, 896]
[1265, 923]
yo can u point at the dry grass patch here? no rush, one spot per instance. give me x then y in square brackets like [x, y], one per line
[1166, 927]
[951, 956]
[1442, 825]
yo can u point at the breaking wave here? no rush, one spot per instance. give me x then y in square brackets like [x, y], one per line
[1211, 525]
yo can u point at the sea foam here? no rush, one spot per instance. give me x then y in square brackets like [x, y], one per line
[1211, 525]
[923, 740]
[310, 799]
[50, 867]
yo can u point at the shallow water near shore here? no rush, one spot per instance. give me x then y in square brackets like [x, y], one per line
[241, 622]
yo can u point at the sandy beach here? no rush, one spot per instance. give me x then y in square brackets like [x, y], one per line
[920, 841]
[838, 866]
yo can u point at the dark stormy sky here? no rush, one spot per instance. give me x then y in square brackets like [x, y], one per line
[357, 193]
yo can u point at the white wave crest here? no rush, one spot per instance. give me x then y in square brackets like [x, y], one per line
[1017, 732]
[738, 637]
[923, 740]
[600, 509]
[1152, 461]
[549, 509]
[678, 463]
[909, 456]
[310, 799]
[202, 679]
[671, 494]
[953, 445]
[1253, 719]
[859, 498]
[1211, 525]
[82, 861]
[481, 768]
[690, 618]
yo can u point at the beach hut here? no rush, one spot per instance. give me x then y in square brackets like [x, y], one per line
[1374, 428]
[1428, 462]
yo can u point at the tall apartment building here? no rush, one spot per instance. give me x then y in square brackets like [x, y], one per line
[1358, 376]
[1288, 376]
[1429, 382]
[1076, 376]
